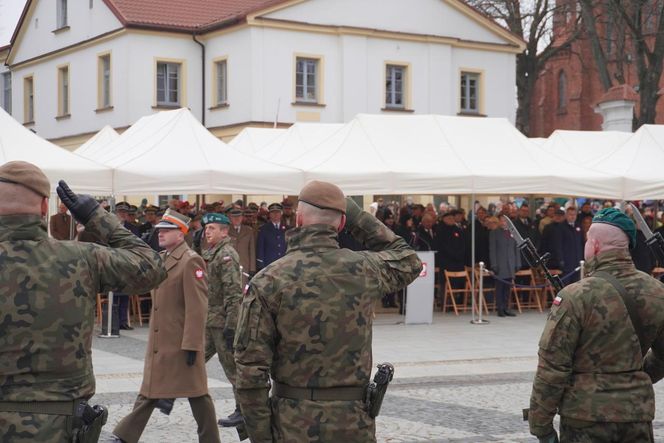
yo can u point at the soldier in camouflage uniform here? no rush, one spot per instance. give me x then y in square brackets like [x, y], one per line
[224, 295]
[306, 323]
[47, 300]
[591, 368]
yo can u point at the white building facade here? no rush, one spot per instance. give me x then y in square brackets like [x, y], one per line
[79, 65]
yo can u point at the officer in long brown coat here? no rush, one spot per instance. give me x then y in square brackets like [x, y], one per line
[243, 240]
[60, 224]
[174, 359]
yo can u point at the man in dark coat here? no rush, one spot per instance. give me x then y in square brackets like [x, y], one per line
[481, 239]
[271, 243]
[525, 225]
[572, 245]
[552, 240]
[451, 244]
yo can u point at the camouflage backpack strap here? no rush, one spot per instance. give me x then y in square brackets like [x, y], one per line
[630, 305]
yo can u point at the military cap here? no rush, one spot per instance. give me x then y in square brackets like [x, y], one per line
[174, 220]
[559, 212]
[122, 206]
[449, 213]
[215, 217]
[228, 209]
[151, 208]
[27, 175]
[252, 205]
[612, 216]
[275, 207]
[133, 209]
[323, 195]
[249, 211]
[236, 212]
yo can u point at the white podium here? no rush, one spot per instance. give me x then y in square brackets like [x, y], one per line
[419, 300]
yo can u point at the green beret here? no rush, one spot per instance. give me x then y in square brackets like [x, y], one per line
[214, 217]
[612, 216]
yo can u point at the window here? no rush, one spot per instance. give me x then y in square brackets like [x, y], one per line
[7, 92]
[562, 91]
[168, 84]
[221, 74]
[28, 100]
[395, 78]
[306, 80]
[104, 82]
[470, 93]
[63, 91]
[61, 13]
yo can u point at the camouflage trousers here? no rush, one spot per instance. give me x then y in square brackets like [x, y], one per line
[577, 431]
[215, 343]
[19, 427]
[296, 421]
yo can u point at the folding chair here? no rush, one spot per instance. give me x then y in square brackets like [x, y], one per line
[548, 293]
[485, 289]
[534, 298]
[451, 292]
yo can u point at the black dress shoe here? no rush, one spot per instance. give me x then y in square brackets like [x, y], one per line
[165, 405]
[232, 421]
[126, 327]
[509, 313]
[501, 314]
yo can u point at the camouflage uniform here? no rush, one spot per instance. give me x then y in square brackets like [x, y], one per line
[591, 369]
[224, 295]
[306, 322]
[47, 300]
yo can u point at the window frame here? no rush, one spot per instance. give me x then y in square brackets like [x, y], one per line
[182, 84]
[61, 14]
[393, 92]
[561, 91]
[29, 99]
[464, 92]
[104, 83]
[7, 97]
[64, 91]
[219, 95]
[319, 63]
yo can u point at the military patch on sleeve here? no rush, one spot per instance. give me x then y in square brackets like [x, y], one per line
[199, 274]
[557, 300]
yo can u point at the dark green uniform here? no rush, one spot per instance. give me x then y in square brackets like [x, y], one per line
[590, 369]
[306, 323]
[47, 305]
[224, 295]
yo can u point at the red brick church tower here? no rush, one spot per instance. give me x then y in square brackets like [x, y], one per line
[569, 88]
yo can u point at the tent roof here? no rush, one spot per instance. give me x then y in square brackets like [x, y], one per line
[298, 139]
[441, 154]
[252, 140]
[98, 142]
[584, 147]
[171, 152]
[639, 160]
[82, 175]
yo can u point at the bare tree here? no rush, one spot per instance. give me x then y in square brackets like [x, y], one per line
[533, 21]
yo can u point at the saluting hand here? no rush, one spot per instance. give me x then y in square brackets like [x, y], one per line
[81, 206]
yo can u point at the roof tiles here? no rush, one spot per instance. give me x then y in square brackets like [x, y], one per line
[185, 15]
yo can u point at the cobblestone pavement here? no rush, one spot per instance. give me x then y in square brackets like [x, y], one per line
[474, 398]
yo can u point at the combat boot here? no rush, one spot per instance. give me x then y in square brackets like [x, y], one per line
[232, 421]
[165, 405]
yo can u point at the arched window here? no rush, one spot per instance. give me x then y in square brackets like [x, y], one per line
[562, 91]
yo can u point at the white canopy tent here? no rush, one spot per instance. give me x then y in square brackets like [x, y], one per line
[443, 155]
[639, 161]
[252, 140]
[82, 175]
[98, 142]
[584, 147]
[298, 140]
[171, 152]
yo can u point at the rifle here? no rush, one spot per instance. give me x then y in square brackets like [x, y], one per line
[654, 240]
[531, 255]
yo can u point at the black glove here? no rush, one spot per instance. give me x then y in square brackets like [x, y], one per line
[191, 358]
[353, 211]
[81, 206]
[229, 336]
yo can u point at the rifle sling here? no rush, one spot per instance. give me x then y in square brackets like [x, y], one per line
[630, 305]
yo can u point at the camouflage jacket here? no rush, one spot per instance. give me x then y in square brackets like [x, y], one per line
[590, 364]
[47, 300]
[224, 284]
[306, 318]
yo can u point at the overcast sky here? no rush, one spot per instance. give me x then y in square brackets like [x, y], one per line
[10, 11]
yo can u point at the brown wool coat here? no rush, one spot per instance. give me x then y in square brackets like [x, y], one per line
[245, 245]
[60, 226]
[177, 324]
